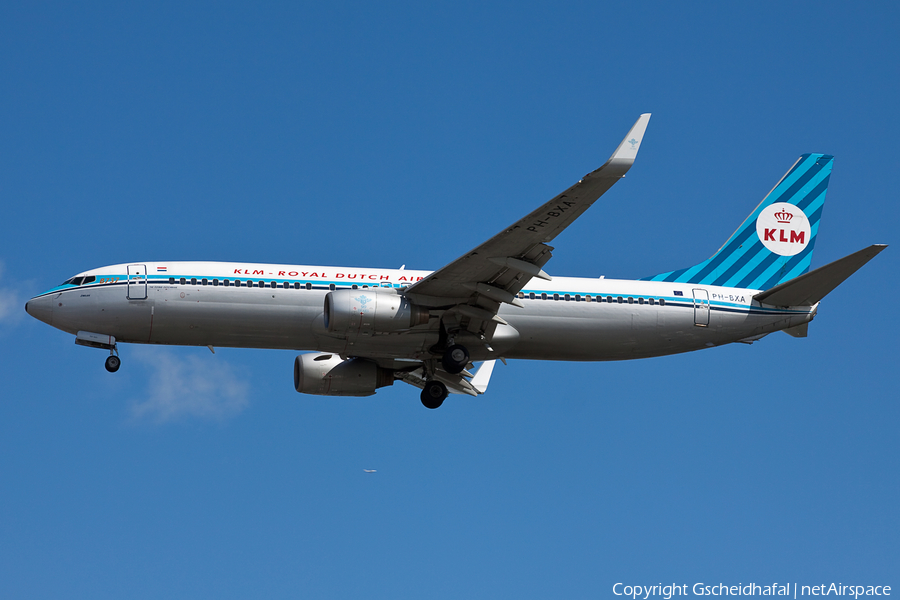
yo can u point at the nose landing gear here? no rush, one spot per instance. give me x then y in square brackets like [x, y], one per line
[104, 342]
[113, 362]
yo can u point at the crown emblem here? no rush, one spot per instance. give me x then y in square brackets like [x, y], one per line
[633, 142]
[784, 216]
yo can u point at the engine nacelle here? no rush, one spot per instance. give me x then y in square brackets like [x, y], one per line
[370, 311]
[328, 375]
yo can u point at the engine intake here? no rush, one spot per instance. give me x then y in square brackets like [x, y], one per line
[328, 375]
[371, 311]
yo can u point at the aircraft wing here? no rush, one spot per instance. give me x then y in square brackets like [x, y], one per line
[475, 284]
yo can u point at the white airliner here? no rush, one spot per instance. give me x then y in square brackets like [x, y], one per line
[367, 328]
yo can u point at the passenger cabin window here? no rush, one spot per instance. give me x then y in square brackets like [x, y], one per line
[620, 300]
[171, 281]
[651, 301]
[640, 300]
[296, 285]
[354, 286]
[630, 300]
[531, 295]
[577, 298]
[556, 296]
[182, 280]
[193, 281]
[331, 287]
[662, 301]
[215, 282]
[308, 286]
[609, 299]
[203, 281]
[543, 296]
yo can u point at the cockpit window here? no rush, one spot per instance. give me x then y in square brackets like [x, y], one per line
[89, 279]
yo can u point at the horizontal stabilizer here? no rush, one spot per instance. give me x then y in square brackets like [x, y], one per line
[810, 288]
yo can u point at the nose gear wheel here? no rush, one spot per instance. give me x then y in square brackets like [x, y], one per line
[113, 363]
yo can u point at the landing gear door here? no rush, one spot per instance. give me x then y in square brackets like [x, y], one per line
[701, 308]
[137, 282]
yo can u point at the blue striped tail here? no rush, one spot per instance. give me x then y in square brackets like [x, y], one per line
[775, 243]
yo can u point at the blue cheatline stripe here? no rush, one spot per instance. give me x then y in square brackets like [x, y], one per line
[743, 254]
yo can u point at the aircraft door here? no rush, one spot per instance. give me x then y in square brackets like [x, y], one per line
[701, 308]
[137, 282]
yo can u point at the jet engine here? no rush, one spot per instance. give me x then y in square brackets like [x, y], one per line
[371, 311]
[328, 375]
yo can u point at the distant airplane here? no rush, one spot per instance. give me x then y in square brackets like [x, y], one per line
[371, 327]
[369, 471]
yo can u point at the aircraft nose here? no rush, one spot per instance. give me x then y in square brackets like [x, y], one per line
[40, 308]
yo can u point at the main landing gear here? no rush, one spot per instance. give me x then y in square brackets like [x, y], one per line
[433, 394]
[113, 362]
[455, 359]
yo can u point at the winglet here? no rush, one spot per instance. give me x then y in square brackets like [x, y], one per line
[624, 156]
[483, 376]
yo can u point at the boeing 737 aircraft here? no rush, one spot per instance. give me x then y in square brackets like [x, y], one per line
[367, 328]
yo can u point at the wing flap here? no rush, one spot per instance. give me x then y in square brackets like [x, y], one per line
[456, 384]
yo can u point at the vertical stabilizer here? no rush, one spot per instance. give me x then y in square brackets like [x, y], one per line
[775, 243]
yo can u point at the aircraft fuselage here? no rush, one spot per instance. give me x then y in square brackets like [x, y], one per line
[281, 307]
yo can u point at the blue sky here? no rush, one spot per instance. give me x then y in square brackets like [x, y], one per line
[373, 134]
